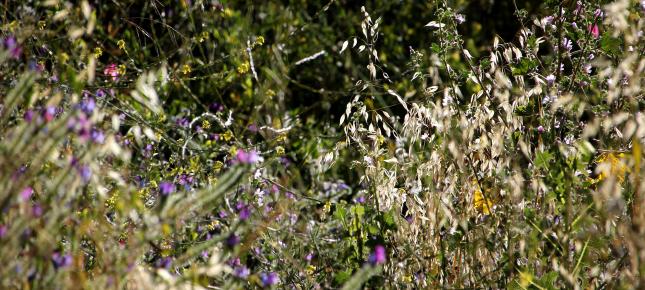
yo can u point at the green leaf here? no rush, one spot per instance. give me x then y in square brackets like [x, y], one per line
[609, 44]
[542, 159]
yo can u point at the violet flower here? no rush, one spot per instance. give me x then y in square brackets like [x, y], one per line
[61, 261]
[378, 256]
[166, 188]
[269, 279]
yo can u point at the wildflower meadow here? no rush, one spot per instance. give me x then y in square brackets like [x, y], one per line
[333, 144]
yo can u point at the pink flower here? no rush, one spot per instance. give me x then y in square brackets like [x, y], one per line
[594, 30]
[112, 71]
[26, 193]
[247, 157]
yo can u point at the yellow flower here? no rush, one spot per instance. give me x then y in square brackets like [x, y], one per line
[41, 25]
[206, 125]
[217, 166]
[98, 52]
[611, 164]
[279, 150]
[121, 69]
[327, 207]
[63, 57]
[186, 69]
[121, 44]
[203, 36]
[243, 68]
[310, 269]
[483, 205]
[227, 136]
[228, 12]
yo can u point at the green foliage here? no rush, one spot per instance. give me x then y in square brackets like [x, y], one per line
[338, 144]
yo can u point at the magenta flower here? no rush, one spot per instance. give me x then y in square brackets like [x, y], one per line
[378, 256]
[26, 193]
[247, 157]
[593, 29]
[112, 71]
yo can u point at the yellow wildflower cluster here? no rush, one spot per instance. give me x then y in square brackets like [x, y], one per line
[243, 68]
[206, 125]
[482, 204]
[98, 52]
[611, 164]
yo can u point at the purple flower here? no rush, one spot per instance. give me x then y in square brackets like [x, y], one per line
[243, 210]
[253, 128]
[309, 256]
[3, 231]
[233, 262]
[378, 256]
[97, 136]
[598, 13]
[241, 272]
[49, 113]
[182, 122]
[12, 45]
[540, 129]
[247, 157]
[87, 105]
[269, 279]
[232, 240]
[205, 254]
[61, 261]
[29, 116]
[550, 79]
[166, 188]
[100, 93]
[26, 193]
[164, 263]
[37, 210]
[567, 44]
[85, 172]
[216, 107]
